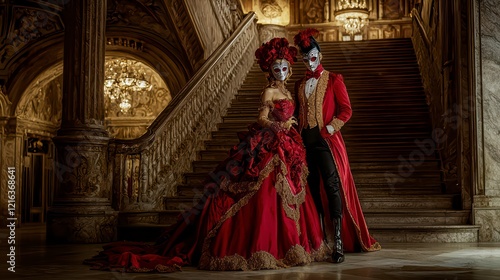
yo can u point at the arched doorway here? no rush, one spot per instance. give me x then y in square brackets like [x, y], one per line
[135, 94]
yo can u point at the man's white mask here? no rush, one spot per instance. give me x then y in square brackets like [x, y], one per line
[311, 59]
[280, 69]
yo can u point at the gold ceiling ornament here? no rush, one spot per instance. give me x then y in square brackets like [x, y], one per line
[353, 14]
[124, 80]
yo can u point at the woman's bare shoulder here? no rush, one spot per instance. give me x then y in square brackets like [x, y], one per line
[269, 93]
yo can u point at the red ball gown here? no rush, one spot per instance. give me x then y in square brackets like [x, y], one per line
[256, 213]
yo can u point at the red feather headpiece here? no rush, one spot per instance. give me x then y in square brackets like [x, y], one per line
[305, 39]
[276, 48]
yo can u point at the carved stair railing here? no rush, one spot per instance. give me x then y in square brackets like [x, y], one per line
[150, 167]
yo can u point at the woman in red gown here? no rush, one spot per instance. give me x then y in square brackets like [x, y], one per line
[257, 212]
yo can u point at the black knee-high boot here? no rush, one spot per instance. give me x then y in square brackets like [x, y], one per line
[338, 249]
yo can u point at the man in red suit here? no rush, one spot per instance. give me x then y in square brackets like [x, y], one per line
[323, 107]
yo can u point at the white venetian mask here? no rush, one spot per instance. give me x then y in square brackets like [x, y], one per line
[311, 59]
[280, 69]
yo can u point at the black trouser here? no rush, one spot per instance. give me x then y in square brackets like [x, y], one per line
[320, 163]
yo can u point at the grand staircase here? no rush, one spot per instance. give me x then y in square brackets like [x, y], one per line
[389, 143]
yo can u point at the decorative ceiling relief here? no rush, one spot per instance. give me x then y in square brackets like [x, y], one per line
[27, 24]
[147, 14]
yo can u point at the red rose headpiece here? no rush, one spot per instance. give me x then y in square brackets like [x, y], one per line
[276, 48]
[305, 40]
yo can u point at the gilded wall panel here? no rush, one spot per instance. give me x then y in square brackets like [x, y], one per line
[271, 11]
[385, 19]
[392, 9]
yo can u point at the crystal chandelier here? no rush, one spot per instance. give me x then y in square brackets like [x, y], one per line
[353, 14]
[124, 79]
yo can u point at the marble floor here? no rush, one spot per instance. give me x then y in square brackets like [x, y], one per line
[452, 261]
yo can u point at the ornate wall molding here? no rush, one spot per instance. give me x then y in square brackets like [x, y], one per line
[214, 20]
[207, 21]
[43, 103]
[229, 15]
[186, 31]
[149, 168]
[134, 44]
[387, 19]
[128, 128]
[269, 31]
[4, 104]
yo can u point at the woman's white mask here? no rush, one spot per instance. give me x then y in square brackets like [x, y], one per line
[280, 69]
[311, 59]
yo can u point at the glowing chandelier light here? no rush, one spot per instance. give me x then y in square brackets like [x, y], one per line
[124, 78]
[353, 13]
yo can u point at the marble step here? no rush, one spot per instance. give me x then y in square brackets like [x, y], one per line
[357, 98]
[368, 128]
[371, 167]
[351, 74]
[373, 63]
[391, 231]
[140, 232]
[373, 140]
[406, 202]
[146, 232]
[390, 88]
[369, 62]
[421, 177]
[360, 176]
[357, 155]
[368, 148]
[144, 226]
[365, 188]
[182, 203]
[425, 233]
[256, 87]
[147, 217]
[375, 168]
[416, 216]
[400, 209]
[381, 146]
[243, 119]
[377, 200]
[403, 189]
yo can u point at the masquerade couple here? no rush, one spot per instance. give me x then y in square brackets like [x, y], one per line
[281, 191]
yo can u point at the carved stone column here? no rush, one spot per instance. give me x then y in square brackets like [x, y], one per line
[486, 200]
[11, 153]
[82, 211]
